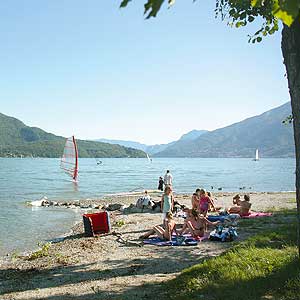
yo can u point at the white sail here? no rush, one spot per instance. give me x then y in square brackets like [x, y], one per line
[256, 155]
[69, 160]
[149, 159]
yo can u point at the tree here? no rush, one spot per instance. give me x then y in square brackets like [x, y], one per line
[241, 12]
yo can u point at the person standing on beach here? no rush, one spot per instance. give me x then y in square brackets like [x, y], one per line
[168, 179]
[160, 184]
[167, 201]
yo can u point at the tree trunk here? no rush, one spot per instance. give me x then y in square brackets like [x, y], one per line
[290, 46]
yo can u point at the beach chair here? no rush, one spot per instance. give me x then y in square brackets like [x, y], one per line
[96, 223]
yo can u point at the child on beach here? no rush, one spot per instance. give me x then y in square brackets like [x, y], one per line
[163, 232]
[160, 184]
[204, 203]
[195, 224]
[167, 201]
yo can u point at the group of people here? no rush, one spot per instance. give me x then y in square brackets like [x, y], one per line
[196, 221]
[166, 181]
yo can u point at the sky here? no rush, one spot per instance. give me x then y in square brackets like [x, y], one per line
[93, 70]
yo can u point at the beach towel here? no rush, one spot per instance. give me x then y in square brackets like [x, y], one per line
[253, 214]
[229, 217]
[185, 240]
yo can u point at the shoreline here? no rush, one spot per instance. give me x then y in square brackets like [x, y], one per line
[104, 268]
[125, 198]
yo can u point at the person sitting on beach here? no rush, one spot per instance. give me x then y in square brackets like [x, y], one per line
[204, 203]
[196, 199]
[236, 199]
[144, 201]
[167, 201]
[214, 207]
[163, 232]
[242, 207]
[195, 224]
[245, 206]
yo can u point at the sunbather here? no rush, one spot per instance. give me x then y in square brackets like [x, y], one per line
[236, 199]
[213, 205]
[163, 232]
[195, 224]
[196, 199]
[242, 207]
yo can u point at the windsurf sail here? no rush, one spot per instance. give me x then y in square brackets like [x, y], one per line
[149, 159]
[69, 160]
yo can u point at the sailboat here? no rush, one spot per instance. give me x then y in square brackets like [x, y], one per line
[149, 159]
[256, 156]
[69, 160]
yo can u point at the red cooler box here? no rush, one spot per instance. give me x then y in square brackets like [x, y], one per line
[96, 223]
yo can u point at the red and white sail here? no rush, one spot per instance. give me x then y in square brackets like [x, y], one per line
[69, 160]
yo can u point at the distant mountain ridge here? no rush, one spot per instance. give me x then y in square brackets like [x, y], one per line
[265, 132]
[17, 139]
[153, 149]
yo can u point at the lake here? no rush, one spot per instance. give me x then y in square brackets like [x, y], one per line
[23, 180]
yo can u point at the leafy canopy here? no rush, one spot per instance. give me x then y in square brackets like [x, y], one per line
[241, 12]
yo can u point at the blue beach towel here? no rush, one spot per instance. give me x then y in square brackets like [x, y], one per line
[186, 240]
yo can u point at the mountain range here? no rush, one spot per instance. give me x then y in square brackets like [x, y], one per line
[153, 149]
[265, 132]
[17, 139]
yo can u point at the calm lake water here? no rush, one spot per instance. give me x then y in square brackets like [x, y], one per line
[22, 180]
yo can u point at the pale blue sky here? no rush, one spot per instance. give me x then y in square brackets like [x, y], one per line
[90, 69]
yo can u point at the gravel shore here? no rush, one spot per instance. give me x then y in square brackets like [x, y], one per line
[105, 268]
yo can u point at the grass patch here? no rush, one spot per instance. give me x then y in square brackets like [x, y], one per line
[293, 200]
[44, 251]
[265, 266]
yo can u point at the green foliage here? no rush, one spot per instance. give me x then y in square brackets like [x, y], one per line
[44, 251]
[120, 223]
[17, 139]
[241, 12]
[288, 120]
[151, 7]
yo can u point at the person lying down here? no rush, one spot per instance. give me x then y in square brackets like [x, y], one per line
[163, 232]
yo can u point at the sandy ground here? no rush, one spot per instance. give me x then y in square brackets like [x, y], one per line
[104, 268]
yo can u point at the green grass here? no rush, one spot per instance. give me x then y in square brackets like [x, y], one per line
[265, 266]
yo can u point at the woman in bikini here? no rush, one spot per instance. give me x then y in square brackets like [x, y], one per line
[165, 232]
[195, 224]
[196, 199]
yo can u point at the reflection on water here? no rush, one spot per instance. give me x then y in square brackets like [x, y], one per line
[24, 180]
